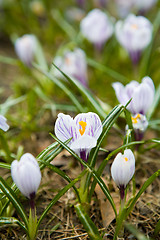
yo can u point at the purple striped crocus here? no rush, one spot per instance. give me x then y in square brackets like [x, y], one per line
[84, 130]
[3, 123]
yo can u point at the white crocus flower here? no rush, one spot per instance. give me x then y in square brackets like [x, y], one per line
[134, 34]
[26, 174]
[123, 7]
[25, 48]
[84, 130]
[96, 27]
[144, 5]
[3, 125]
[74, 64]
[142, 95]
[123, 168]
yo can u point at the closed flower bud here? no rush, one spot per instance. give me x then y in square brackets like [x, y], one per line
[123, 168]
[143, 5]
[26, 174]
[96, 27]
[3, 125]
[134, 34]
[25, 48]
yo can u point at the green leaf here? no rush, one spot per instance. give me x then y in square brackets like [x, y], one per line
[88, 224]
[143, 188]
[12, 221]
[62, 86]
[13, 198]
[58, 196]
[63, 175]
[5, 165]
[98, 179]
[85, 93]
[110, 72]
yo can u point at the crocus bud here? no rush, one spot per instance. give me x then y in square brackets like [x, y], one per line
[26, 174]
[74, 64]
[3, 125]
[142, 95]
[123, 168]
[134, 34]
[25, 48]
[96, 27]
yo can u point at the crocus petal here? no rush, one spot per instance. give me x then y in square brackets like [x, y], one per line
[26, 174]
[121, 94]
[3, 125]
[142, 98]
[84, 143]
[149, 81]
[64, 127]
[93, 124]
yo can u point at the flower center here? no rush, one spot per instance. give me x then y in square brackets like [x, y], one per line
[134, 119]
[134, 26]
[126, 159]
[83, 125]
[68, 61]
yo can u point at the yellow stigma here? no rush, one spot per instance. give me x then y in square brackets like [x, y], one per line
[83, 125]
[134, 119]
[126, 159]
[134, 26]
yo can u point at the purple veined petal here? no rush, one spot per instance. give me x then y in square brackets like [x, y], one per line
[130, 87]
[84, 143]
[65, 127]
[93, 125]
[3, 125]
[142, 98]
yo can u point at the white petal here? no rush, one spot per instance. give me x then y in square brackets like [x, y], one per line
[142, 98]
[26, 174]
[3, 125]
[84, 143]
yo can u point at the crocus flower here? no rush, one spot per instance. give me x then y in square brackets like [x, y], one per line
[142, 95]
[3, 125]
[134, 34]
[122, 169]
[144, 5]
[73, 63]
[124, 7]
[25, 48]
[96, 27]
[140, 124]
[84, 130]
[26, 174]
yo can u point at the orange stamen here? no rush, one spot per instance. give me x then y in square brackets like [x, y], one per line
[126, 159]
[83, 125]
